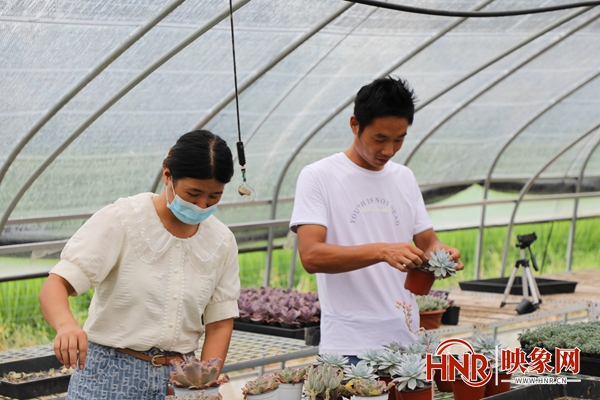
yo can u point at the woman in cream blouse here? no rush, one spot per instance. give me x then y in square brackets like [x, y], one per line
[165, 271]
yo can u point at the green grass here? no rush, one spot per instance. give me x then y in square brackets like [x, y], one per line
[22, 325]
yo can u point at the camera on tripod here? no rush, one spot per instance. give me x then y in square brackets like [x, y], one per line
[526, 240]
[528, 283]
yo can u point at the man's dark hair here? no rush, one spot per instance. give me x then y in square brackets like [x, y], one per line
[384, 97]
[201, 155]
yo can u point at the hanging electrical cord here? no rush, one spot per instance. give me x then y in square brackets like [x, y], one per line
[243, 189]
[475, 14]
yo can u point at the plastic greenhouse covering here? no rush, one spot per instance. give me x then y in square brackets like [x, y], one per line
[94, 93]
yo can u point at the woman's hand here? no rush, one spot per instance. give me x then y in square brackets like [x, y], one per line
[71, 346]
[71, 343]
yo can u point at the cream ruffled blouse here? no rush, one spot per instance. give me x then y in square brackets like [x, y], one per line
[152, 289]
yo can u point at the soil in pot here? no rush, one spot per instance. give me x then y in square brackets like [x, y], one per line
[431, 319]
[421, 394]
[491, 388]
[419, 281]
[462, 391]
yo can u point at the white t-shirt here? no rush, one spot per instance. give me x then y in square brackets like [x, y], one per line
[359, 206]
[151, 288]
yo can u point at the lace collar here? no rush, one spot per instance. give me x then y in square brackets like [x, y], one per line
[151, 239]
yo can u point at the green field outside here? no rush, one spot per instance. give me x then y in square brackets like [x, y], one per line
[21, 323]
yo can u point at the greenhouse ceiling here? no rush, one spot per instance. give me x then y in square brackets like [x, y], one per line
[93, 94]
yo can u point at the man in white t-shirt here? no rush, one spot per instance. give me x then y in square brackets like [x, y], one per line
[357, 215]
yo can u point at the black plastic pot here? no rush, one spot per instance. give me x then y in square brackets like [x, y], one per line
[450, 317]
[38, 388]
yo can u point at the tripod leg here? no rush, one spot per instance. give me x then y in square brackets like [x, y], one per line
[525, 282]
[511, 280]
[535, 293]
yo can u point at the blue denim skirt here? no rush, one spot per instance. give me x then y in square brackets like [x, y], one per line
[110, 374]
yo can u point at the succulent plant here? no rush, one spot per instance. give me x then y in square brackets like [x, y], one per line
[487, 345]
[359, 371]
[323, 381]
[333, 359]
[395, 347]
[197, 374]
[442, 295]
[389, 360]
[291, 375]
[370, 387]
[286, 306]
[430, 341]
[411, 373]
[431, 303]
[441, 265]
[372, 357]
[262, 384]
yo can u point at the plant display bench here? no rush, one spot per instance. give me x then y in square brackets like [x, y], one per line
[247, 350]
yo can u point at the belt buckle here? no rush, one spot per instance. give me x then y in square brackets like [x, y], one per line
[154, 362]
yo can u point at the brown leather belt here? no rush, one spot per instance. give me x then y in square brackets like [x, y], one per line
[158, 360]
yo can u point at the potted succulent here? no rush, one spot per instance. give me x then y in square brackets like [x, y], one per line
[363, 382]
[452, 314]
[291, 381]
[431, 309]
[279, 312]
[371, 389]
[411, 378]
[492, 348]
[420, 279]
[262, 388]
[583, 335]
[195, 374]
[324, 382]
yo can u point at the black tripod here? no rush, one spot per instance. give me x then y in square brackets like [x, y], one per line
[528, 282]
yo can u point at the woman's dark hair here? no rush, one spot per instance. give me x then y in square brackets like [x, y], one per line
[384, 97]
[201, 155]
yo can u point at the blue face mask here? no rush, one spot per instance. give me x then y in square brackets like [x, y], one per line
[187, 212]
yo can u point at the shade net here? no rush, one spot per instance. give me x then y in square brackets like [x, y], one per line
[498, 97]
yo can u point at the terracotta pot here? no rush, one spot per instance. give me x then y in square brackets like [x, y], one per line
[392, 393]
[462, 391]
[179, 391]
[421, 394]
[431, 319]
[442, 386]
[491, 388]
[418, 281]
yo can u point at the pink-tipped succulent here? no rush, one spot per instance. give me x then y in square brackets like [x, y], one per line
[197, 374]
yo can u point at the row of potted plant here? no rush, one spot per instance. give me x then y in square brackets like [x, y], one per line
[280, 307]
[395, 372]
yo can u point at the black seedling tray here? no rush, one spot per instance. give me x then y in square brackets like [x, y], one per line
[586, 389]
[38, 388]
[303, 333]
[498, 285]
